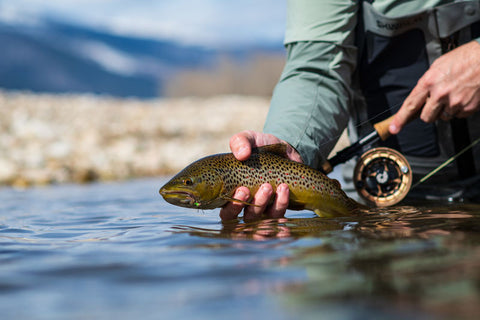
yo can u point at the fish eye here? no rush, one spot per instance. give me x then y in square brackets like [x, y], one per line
[187, 182]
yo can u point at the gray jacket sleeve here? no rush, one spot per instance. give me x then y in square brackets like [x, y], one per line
[310, 104]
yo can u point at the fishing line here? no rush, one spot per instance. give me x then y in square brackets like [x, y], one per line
[368, 120]
[356, 126]
[446, 163]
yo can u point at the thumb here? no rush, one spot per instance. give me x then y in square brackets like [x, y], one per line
[241, 144]
[409, 109]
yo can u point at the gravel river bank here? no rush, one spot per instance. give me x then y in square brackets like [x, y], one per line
[48, 138]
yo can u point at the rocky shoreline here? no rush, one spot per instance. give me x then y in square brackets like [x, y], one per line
[48, 138]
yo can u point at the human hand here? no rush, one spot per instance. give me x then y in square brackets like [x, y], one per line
[450, 88]
[241, 145]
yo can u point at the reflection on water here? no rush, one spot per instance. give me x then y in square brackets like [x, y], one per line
[119, 251]
[422, 261]
[395, 222]
[264, 229]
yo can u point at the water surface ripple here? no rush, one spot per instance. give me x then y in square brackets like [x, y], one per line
[118, 251]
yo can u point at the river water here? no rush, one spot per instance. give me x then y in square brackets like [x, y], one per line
[118, 251]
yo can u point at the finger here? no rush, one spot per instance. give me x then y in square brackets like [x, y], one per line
[410, 107]
[432, 110]
[260, 201]
[464, 113]
[241, 144]
[446, 114]
[232, 209]
[468, 109]
[280, 204]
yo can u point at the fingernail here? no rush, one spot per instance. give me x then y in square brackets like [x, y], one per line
[241, 195]
[242, 151]
[393, 128]
[266, 190]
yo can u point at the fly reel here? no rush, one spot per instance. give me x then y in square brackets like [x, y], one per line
[382, 176]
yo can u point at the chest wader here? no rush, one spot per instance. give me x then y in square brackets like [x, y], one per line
[394, 54]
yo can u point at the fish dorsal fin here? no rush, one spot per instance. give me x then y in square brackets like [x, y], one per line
[337, 183]
[278, 149]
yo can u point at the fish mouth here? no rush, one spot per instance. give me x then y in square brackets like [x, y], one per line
[179, 197]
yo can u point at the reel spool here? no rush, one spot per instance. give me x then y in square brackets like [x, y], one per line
[382, 176]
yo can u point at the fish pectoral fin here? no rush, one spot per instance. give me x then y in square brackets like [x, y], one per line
[322, 213]
[332, 212]
[239, 201]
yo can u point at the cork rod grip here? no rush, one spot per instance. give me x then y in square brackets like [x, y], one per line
[382, 128]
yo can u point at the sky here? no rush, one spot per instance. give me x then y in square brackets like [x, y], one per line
[211, 23]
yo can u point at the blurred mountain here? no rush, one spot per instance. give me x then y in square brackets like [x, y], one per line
[54, 56]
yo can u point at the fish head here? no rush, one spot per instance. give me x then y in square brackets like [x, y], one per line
[196, 186]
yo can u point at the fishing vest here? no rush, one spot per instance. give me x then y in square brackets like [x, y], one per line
[393, 54]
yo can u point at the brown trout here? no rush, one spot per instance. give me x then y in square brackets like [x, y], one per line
[210, 182]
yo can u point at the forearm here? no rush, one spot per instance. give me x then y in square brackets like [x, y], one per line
[310, 104]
